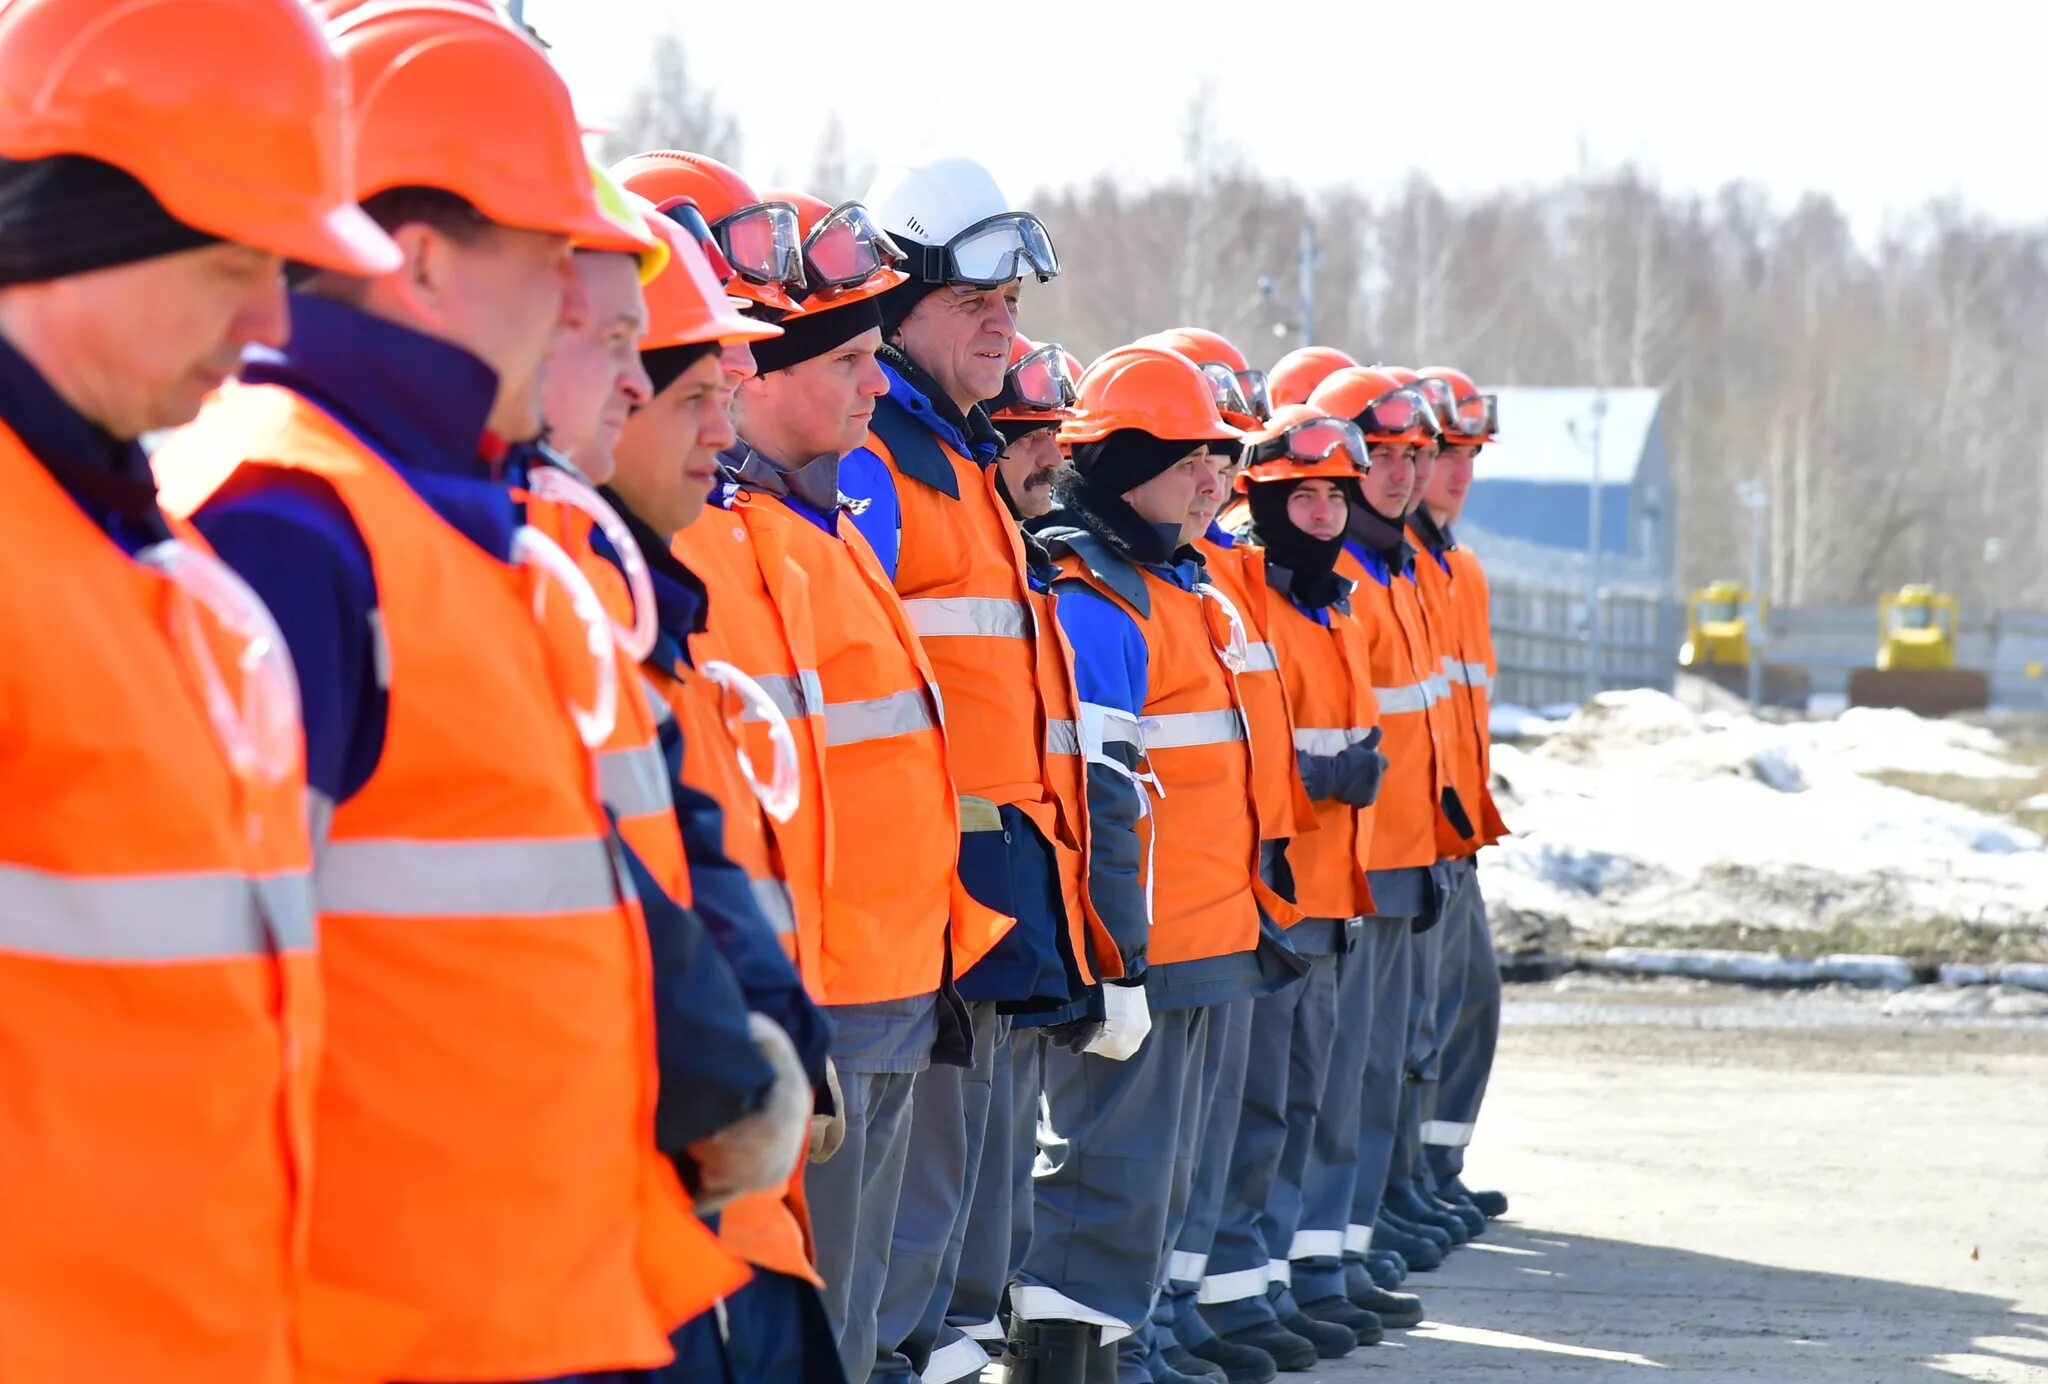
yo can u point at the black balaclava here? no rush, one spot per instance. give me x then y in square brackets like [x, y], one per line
[1310, 561]
[1103, 470]
[68, 214]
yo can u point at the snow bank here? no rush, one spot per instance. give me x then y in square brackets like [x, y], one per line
[1639, 811]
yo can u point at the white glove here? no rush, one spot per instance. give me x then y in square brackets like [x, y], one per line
[759, 1151]
[1126, 1019]
[828, 1132]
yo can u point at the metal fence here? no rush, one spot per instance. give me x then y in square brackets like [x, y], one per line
[1831, 641]
[1539, 637]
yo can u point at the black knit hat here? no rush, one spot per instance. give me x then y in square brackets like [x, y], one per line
[68, 214]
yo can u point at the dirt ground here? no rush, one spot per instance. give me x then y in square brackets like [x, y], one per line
[1717, 1184]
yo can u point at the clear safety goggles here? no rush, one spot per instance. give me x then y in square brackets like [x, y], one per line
[684, 213]
[240, 665]
[846, 249]
[763, 244]
[1258, 392]
[1312, 439]
[1226, 389]
[1399, 413]
[1476, 416]
[992, 252]
[782, 793]
[554, 485]
[1039, 381]
[589, 691]
[1226, 628]
[1443, 400]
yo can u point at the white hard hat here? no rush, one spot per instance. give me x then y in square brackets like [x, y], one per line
[934, 201]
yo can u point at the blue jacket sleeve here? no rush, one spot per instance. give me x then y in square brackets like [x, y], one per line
[723, 898]
[1110, 676]
[711, 1072]
[290, 537]
[876, 510]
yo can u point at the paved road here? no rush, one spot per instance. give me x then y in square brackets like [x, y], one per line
[1720, 1185]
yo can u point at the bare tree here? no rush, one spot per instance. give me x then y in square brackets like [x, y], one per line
[670, 110]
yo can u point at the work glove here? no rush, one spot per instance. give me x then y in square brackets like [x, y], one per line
[759, 1150]
[828, 1132]
[1351, 776]
[1074, 1035]
[1126, 1019]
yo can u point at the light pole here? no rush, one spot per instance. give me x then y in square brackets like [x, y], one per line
[1753, 498]
[1593, 501]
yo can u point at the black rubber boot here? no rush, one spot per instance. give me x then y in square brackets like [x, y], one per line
[1240, 1364]
[1386, 1267]
[1183, 1360]
[1461, 1207]
[1435, 1234]
[1410, 1205]
[1420, 1253]
[1395, 1310]
[1289, 1351]
[1339, 1311]
[1057, 1352]
[1492, 1205]
[1331, 1342]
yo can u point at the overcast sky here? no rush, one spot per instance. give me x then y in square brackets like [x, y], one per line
[1881, 104]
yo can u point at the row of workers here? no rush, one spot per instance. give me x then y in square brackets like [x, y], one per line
[492, 895]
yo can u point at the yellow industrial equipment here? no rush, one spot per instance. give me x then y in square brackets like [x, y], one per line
[1716, 626]
[1916, 628]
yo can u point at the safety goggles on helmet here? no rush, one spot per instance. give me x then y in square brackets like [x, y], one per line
[1226, 388]
[1443, 400]
[783, 792]
[1311, 440]
[588, 686]
[685, 214]
[763, 244]
[1399, 413]
[555, 485]
[1257, 392]
[1037, 383]
[992, 252]
[845, 249]
[1476, 416]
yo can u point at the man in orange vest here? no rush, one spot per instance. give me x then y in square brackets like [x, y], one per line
[897, 925]
[160, 1005]
[1468, 994]
[1176, 869]
[925, 498]
[493, 1053]
[1418, 805]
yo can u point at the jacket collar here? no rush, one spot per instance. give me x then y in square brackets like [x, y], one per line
[815, 483]
[420, 401]
[1437, 538]
[918, 394]
[107, 478]
[1381, 536]
[1114, 543]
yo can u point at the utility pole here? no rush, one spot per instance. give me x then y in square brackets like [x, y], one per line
[1309, 260]
[1753, 498]
[517, 9]
[1593, 506]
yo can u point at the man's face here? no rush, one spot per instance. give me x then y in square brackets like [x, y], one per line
[961, 337]
[667, 456]
[503, 294]
[819, 406]
[1425, 467]
[139, 346]
[1318, 508]
[1185, 495]
[1028, 466]
[1450, 480]
[1390, 482]
[594, 378]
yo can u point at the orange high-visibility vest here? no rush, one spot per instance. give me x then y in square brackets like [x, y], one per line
[1200, 837]
[1441, 608]
[160, 1007]
[1473, 674]
[485, 1112]
[1328, 672]
[1239, 572]
[1409, 685]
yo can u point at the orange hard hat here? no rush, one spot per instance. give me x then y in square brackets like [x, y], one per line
[686, 303]
[758, 238]
[1297, 373]
[1152, 390]
[1384, 409]
[846, 256]
[233, 113]
[331, 10]
[1235, 382]
[1474, 417]
[450, 97]
[1301, 442]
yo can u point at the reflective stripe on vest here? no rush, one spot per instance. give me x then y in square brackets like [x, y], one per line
[939, 617]
[466, 879]
[795, 695]
[1330, 740]
[898, 713]
[162, 917]
[1414, 696]
[1062, 737]
[1186, 729]
[634, 782]
[772, 896]
[1259, 658]
[1466, 674]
